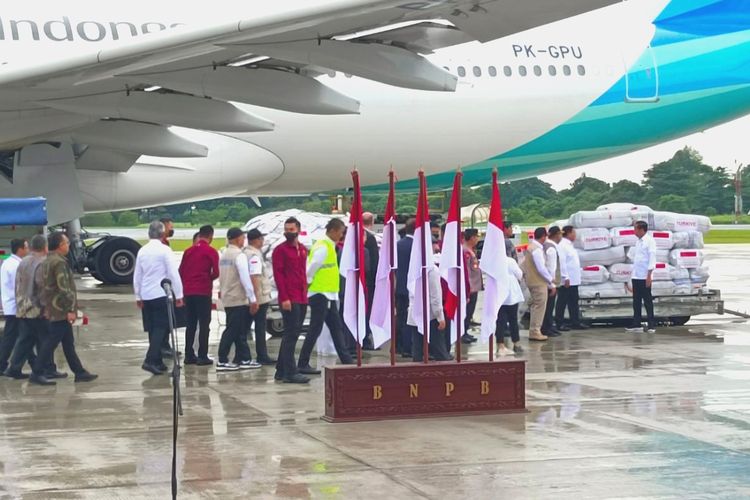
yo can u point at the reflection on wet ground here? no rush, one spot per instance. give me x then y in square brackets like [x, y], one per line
[611, 415]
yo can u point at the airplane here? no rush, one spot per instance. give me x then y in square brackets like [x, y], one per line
[110, 108]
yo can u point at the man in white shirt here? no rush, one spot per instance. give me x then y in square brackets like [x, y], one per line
[155, 263]
[554, 265]
[539, 281]
[644, 263]
[237, 296]
[323, 283]
[19, 248]
[571, 280]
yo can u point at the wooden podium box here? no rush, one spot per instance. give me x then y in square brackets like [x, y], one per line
[409, 390]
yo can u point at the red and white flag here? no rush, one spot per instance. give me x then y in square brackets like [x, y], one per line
[421, 258]
[382, 306]
[494, 264]
[452, 263]
[352, 268]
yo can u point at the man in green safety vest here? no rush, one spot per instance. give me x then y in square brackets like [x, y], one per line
[323, 292]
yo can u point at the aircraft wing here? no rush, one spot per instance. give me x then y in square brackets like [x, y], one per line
[118, 102]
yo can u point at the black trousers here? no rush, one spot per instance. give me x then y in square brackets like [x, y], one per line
[258, 322]
[403, 331]
[642, 297]
[8, 342]
[568, 297]
[156, 323]
[235, 333]
[507, 321]
[436, 346]
[322, 311]
[293, 321]
[30, 332]
[471, 306]
[548, 312]
[57, 332]
[198, 313]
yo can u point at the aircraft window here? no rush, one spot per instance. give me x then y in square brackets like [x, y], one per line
[566, 70]
[507, 71]
[522, 70]
[552, 70]
[461, 71]
[581, 70]
[477, 71]
[537, 70]
[492, 71]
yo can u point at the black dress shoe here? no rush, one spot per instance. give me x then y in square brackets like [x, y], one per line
[152, 368]
[16, 375]
[308, 370]
[56, 374]
[204, 361]
[267, 361]
[278, 376]
[563, 328]
[581, 326]
[86, 377]
[191, 360]
[406, 355]
[296, 379]
[41, 380]
[552, 333]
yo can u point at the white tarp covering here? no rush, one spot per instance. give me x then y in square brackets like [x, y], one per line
[608, 289]
[593, 275]
[688, 239]
[620, 273]
[623, 236]
[593, 238]
[605, 257]
[686, 258]
[663, 239]
[601, 218]
[668, 221]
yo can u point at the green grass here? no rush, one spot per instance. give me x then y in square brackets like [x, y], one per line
[727, 236]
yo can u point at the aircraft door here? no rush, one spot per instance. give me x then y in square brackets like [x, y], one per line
[642, 79]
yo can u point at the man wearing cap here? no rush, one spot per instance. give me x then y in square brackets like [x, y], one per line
[198, 270]
[290, 274]
[237, 296]
[539, 281]
[322, 294]
[260, 277]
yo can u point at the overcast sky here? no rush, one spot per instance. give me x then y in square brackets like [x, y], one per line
[719, 146]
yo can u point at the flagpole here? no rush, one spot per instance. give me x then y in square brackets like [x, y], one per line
[425, 305]
[459, 267]
[391, 272]
[357, 266]
[492, 337]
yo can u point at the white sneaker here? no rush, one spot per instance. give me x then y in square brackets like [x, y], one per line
[227, 367]
[504, 351]
[651, 330]
[250, 365]
[634, 329]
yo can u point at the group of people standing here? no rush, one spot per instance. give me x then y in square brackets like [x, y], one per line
[40, 305]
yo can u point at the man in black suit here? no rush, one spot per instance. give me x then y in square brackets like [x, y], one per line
[403, 252]
[371, 248]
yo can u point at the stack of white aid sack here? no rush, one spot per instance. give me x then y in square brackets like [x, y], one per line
[605, 241]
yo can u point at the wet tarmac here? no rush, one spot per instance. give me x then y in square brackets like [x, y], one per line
[611, 415]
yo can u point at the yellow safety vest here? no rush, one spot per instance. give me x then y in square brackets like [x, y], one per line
[326, 279]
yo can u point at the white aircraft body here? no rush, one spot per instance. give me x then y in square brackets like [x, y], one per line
[109, 108]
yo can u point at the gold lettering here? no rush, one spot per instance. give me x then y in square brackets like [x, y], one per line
[448, 389]
[413, 390]
[377, 391]
[485, 389]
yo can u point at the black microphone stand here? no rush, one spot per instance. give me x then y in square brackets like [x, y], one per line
[176, 397]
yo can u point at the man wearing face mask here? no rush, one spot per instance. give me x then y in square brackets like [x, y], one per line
[290, 274]
[168, 229]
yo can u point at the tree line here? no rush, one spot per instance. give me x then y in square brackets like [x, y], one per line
[683, 183]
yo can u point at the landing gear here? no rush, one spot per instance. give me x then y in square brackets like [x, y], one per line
[109, 259]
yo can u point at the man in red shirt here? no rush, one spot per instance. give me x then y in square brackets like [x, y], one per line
[290, 273]
[198, 270]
